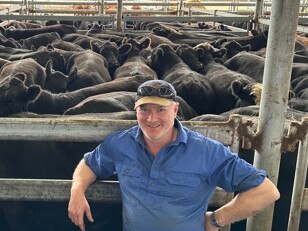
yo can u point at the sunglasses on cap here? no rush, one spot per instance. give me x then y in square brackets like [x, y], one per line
[160, 92]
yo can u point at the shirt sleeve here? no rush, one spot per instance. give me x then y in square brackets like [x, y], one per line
[100, 159]
[232, 173]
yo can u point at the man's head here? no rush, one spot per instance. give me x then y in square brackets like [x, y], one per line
[157, 92]
[156, 110]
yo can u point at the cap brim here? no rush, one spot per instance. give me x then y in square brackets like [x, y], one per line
[154, 100]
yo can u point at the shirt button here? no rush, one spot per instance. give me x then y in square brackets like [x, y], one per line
[155, 166]
[152, 183]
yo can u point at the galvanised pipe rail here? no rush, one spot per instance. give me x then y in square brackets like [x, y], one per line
[298, 194]
[274, 99]
[58, 17]
[59, 190]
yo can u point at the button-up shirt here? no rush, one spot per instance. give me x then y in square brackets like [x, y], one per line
[171, 191]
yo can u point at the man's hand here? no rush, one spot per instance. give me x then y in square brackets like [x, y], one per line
[77, 207]
[207, 223]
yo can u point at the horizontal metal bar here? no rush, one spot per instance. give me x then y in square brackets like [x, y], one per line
[300, 28]
[59, 190]
[187, 19]
[83, 129]
[188, 4]
[55, 190]
[143, 3]
[141, 12]
[57, 17]
[65, 3]
[63, 11]
[12, 2]
[218, 3]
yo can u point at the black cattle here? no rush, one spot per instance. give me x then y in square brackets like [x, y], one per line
[6, 51]
[233, 48]
[48, 103]
[87, 68]
[56, 81]
[3, 61]
[248, 64]
[15, 95]
[109, 50]
[66, 46]
[9, 42]
[42, 56]
[225, 83]
[193, 87]
[300, 104]
[256, 40]
[34, 73]
[105, 103]
[23, 25]
[132, 63]
[36, 41]
[18, 34]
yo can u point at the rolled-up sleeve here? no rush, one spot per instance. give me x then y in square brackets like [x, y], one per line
[232, 173]
[100, 160]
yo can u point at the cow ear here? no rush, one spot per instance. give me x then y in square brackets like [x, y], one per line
[125, 48]
[145, 43]
[237, 88]
[33, 91]
[247, 47]
[94, 47]
[72, 75]
[50, 47]
[159, 53]
[21, 77]
[200, 52]
[48, 67]
[218, 54]
[2, 30]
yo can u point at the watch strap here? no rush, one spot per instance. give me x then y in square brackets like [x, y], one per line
[214, 220]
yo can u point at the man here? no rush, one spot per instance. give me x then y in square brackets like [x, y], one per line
[168, 173]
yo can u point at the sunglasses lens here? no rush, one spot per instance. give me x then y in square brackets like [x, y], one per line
[160, 92]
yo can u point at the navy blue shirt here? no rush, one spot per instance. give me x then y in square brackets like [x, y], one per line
[171, 191]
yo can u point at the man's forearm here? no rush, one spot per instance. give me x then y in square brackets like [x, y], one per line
[83, 177]
[248, 203]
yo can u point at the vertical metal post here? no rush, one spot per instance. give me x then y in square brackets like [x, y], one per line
[276, 83]
[258, 13]
[119, 15]
[299, 182]
[181, 7]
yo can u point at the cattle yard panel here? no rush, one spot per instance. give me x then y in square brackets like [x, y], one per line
[299, 201]
[101, 18]
[190, 19]
[157, 8]
[82, 130]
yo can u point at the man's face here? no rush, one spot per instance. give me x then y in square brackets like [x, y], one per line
[156, 122]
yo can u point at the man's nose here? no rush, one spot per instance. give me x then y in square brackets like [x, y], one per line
[152, 116]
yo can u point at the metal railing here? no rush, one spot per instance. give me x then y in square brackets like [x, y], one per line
[88, 130]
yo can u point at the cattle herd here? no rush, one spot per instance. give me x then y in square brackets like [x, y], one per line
[55, 71]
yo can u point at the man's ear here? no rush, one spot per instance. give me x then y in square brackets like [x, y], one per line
[176, 108]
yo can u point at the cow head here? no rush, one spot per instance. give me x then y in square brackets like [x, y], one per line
[190, 56]
[246, 92]
[15, 95]
[110, 51]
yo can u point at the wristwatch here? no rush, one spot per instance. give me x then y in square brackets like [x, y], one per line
[214, 221]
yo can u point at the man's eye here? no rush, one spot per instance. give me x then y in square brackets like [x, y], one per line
[143, 109]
